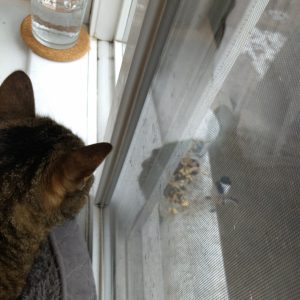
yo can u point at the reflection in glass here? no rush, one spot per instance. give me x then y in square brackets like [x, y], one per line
[207, 203]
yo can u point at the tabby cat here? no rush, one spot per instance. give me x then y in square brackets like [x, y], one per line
[45, 177]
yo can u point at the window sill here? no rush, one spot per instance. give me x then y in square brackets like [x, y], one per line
[64, 91]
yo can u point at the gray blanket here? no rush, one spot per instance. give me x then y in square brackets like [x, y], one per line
[63, 269]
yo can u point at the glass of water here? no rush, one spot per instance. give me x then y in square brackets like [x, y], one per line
[56, 23]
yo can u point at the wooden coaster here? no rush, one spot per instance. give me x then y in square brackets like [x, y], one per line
[81, 47]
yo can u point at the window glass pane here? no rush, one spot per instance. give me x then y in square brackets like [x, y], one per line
[207, 203]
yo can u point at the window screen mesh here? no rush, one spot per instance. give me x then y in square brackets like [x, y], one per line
[207, 205]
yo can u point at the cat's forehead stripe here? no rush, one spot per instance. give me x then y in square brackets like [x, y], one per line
[26, 146]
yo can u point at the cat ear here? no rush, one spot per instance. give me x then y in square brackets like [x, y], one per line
[16, 97]
[72, 170]
[82, 162]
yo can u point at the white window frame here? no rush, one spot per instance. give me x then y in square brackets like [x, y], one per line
[104, 19]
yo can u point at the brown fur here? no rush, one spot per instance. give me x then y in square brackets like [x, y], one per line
[45, 177]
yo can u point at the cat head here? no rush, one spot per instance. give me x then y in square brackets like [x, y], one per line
[41, 162]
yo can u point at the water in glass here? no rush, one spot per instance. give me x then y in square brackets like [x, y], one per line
[56, 23]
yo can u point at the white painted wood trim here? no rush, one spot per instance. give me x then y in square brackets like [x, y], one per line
[96, 247]
[101, 253]
[119, 50]
[107, 292]
[104, 19]
[100, 249]
[125, 18]
[105, 85]
[92, 96]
